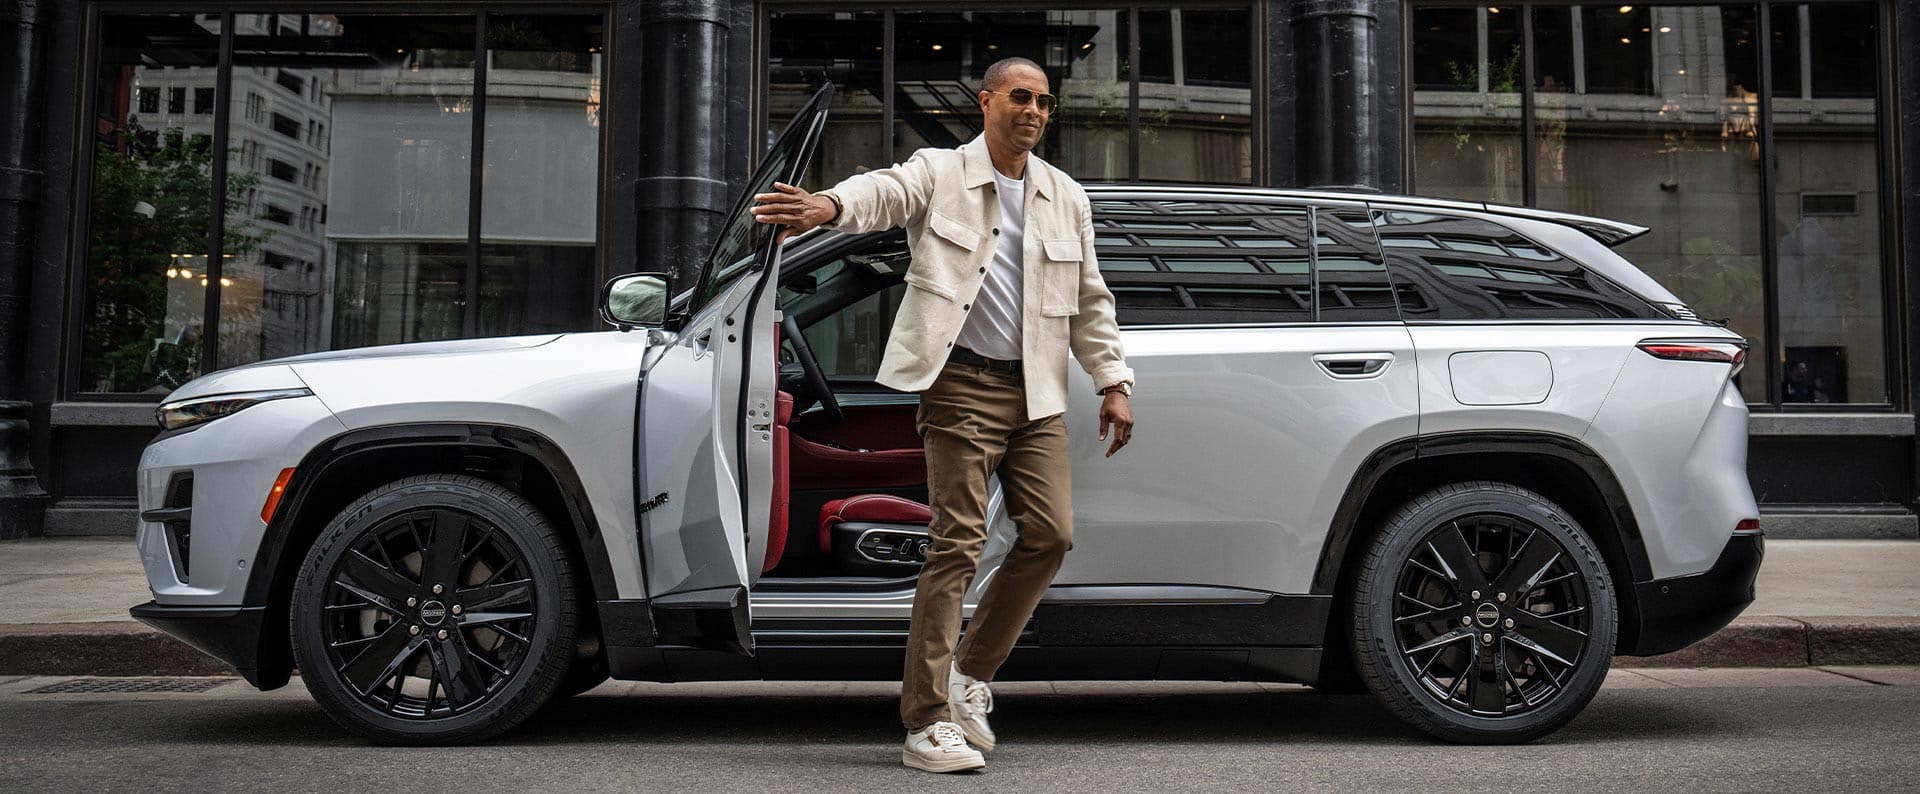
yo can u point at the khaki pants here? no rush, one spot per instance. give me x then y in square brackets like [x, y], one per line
[973, 422]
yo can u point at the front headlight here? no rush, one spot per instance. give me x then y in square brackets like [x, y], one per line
[194, 410]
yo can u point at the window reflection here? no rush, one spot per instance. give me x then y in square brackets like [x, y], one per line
[1826, 207]
[1466, 127]
[152, 197]
[1195, 111]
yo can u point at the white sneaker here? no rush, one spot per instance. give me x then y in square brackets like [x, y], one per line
[969, 701]
[940, 747]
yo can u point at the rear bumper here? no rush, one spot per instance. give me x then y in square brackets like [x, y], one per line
[1678, 612]
[230, 634]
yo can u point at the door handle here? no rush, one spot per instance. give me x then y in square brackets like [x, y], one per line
[1353, 366]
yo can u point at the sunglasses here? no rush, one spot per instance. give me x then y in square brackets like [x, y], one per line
[1022, 97]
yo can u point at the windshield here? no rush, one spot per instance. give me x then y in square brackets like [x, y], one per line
[744, 239]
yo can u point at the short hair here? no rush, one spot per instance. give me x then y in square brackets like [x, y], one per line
[997, 73]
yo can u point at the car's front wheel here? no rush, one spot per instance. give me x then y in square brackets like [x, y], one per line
[1483, 614]
[438, 609]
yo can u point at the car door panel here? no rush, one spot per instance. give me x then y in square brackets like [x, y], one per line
[704, 467]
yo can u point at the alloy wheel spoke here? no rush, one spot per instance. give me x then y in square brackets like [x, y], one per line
[454, 666]
[1559, 643]
[1527, 567]
[488, 619]
[441, 557]
[378, 584]
[489, 596]
[1483, 685]
[381, 660]
[1450, 548]
[1445, 639]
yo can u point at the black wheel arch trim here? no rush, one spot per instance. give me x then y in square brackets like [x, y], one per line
[342, 449]
[273, 568]
[1335, 553]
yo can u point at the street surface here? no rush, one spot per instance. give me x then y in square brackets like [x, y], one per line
[1801, 729]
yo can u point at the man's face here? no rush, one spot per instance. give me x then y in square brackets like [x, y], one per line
[1017, 125]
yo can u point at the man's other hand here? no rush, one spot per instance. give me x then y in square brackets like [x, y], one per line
[793, 208]
[1116, 412]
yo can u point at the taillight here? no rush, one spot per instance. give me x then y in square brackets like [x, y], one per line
[1728, 352]
[1747, 526]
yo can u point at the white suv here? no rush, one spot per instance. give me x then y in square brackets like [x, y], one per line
[1458, 454]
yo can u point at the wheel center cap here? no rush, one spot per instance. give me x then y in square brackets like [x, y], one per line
[1486, 615]
[432, 613]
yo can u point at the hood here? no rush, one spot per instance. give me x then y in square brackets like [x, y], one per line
[450, 347]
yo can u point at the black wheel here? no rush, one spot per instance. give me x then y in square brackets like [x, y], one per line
[1482, 614]
[437, 609]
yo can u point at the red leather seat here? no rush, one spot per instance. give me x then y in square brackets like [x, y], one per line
[877, 508]
[782, 493]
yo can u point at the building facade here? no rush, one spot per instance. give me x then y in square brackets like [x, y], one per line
[190, 186]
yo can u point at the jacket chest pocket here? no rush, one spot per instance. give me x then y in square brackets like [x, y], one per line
[1060, 271]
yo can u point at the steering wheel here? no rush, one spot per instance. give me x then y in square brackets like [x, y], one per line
[816, 378]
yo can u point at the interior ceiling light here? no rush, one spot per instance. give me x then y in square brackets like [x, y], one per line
[1626, 9]
[1665, 29]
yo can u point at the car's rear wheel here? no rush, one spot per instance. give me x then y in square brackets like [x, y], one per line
[1483, 614]
[437, 609]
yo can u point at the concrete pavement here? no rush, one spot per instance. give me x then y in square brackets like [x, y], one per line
[63, 609]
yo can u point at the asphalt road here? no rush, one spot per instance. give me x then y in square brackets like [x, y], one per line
[1776, 731]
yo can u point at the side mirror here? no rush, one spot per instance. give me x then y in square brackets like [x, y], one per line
[635, 301]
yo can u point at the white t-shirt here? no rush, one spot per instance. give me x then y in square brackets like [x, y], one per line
[992, 328]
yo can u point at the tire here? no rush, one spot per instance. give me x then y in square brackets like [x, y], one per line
[1507, 656]
[435, 610]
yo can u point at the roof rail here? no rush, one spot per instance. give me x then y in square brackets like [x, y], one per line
[1610, 233]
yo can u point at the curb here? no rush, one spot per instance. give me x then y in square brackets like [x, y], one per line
[107, 648]
[1769, 641]
[128, 648]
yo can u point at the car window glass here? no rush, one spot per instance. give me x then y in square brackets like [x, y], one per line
[1354, 285]
[740, 243]
[845, 306]
[1204, 262]
[1457, 268]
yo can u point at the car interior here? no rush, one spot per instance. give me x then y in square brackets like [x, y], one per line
[850, 476]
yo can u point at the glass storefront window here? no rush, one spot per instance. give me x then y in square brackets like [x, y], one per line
[1194, 118]
[539, 202]
[805, 49]
[348, 186]
[1652, 115]
[1197, 127]
[1684, 160]
[150, 220]
[1826, 205]
[1466, 113]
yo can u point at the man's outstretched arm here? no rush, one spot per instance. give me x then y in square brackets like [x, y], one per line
[866, 202]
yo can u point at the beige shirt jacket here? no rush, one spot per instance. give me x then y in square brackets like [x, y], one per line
[944, 198]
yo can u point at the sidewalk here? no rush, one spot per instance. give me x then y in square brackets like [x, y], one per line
[63, 610]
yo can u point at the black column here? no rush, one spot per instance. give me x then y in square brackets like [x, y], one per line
[22, 502]
[681, 194]
[1341, 88]
[1906, 106]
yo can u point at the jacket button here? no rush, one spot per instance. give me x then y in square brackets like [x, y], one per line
[949, 344]
[983, 270]
[996, 232]
[966, 307]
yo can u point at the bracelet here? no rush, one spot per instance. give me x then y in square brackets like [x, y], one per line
[838, 208]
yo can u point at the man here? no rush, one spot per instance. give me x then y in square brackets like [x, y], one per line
[1003, 283]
